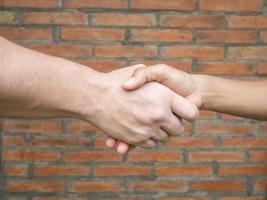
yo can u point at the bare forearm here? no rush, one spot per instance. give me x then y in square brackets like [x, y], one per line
[236, 97]
[37, 85]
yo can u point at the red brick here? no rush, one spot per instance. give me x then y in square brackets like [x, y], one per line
[55, 18]
[154, 156]
[262, 68]
[236, 37]
[80, 127]
[30, 126]
[212, 128]
[230, 117]
[13, 141]
[7, 17]
[258, 156]
[103, 65]
[34, 186]
[192, 21]
[196, 52]
[242, 170]
[88, 34]
[59, 141]
[127, 170]
[60, 198]
[64, 50]
[205, 114]
[264, 36]
[251, 142]
[164, 5]
[96, 186]
[122, 19]
[125, 51]
[247, 52]
[94, 156]
[188, 142]
[26, 33]
[224, 68]
[223, 186]
[260, 185]
[184, 198]
[247, 22]
[158, 185]
[57, 170]
[231, 5]
[242, 198]
[220, 156]
[30, 3]
[150, 35]
[16, 170]
[30, 155]
[184, 170]
[262, 128]
[114, 4]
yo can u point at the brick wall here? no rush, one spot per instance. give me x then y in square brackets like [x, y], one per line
[218, 157]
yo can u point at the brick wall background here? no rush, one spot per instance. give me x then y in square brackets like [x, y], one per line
[218, 157]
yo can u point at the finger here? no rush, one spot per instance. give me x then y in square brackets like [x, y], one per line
[174, 126]
[123, 147]
[184, 108]
[149, 144]
[143, 75]
[162, 136]
[111, 142]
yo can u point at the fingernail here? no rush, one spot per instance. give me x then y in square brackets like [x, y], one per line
[130, 81]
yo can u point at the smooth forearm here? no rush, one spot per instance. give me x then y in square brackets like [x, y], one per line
[33, 84]
[236, 97]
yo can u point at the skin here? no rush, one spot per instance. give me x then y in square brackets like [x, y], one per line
[244, 98]
[35, 85]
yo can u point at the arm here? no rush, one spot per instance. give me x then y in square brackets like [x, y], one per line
[237, 97]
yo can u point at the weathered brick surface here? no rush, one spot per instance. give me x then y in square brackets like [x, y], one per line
[220, 157]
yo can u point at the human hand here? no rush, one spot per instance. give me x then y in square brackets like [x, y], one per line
[143, 116]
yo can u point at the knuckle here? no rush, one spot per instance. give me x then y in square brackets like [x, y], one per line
[158, 117]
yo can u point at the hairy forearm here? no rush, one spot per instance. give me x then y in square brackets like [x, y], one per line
[34, 85]
[245, 98]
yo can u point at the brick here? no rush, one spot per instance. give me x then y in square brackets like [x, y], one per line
[223, 129]
[200, 21]
[205, 114]
[262, 68]
[260, 185]
[150, 35]
[242, 198]
[7, 17]
[125, 51]
[13, 141]
[30, 3]
[249, 142]
[262, 128]
[184, 170]
[247, 53]
[158, 185]
[122, 19]
[127, 170]
[80, 127]
[235, 37]
[227, 68]
[16, 170]
[55, 18]
[258, 156]
[57, 170]
[60, 198]
[114, 4]
[195, 52]
[30, 126]
[60, 141]
[34, 186]
[220, 185]
[96, 186]
[94, 156]
[164, 5]
[26, 33]
[89, 34]
[103, 65]
[154, 156]
[30, 155]
[192, 143]
[242, 170]
[64, 50]
[264, 36]
[249, 22]
[219, 156]
[231, 5]
[231, 117]
[184, 198]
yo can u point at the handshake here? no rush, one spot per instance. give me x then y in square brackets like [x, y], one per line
[142, 106]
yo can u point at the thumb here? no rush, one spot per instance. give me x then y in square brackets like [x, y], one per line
[138, 78]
